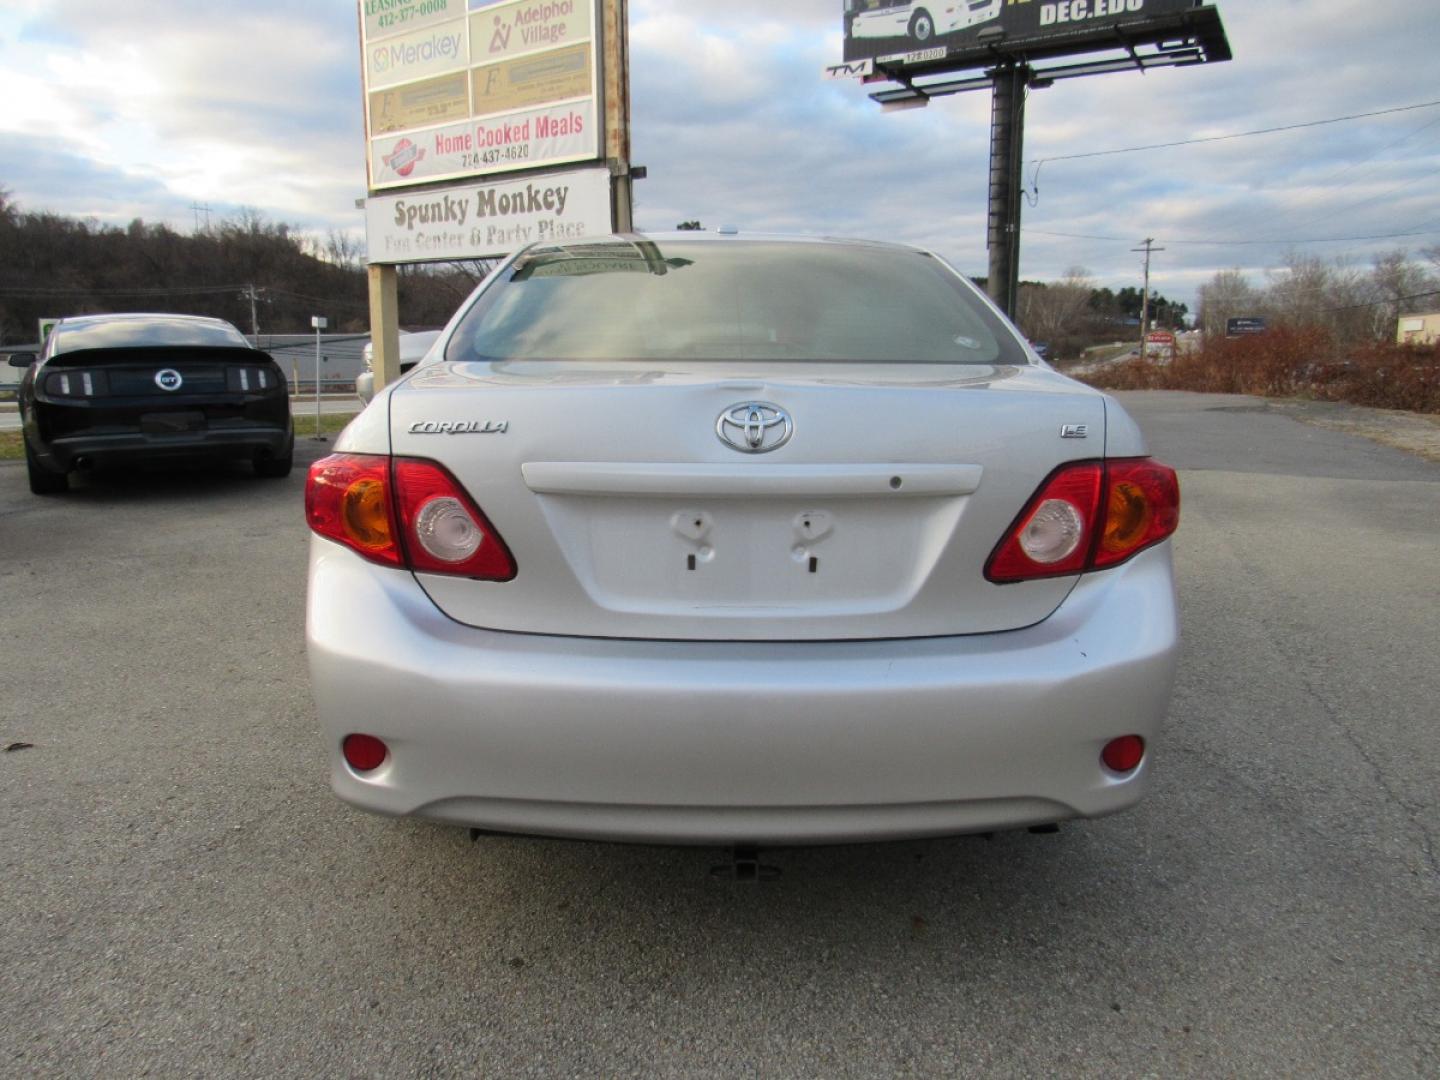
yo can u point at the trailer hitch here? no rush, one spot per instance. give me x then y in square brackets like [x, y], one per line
[745, 865]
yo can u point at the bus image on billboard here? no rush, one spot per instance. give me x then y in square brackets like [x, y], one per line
[919, 21]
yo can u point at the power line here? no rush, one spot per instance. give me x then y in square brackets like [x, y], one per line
[1240, 243]
[191, 290]
[1387, 300]
[1239, 134]
[1385, 194]
[1326, 184]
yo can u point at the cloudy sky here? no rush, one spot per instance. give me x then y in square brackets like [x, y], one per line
[117, 111]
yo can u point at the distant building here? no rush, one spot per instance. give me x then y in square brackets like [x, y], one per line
[1419, 329]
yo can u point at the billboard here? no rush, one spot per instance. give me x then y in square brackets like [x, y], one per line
[956, 34]
[458, 89]
[1243, 327]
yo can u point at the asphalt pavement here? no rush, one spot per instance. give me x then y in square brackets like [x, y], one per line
[182, 896]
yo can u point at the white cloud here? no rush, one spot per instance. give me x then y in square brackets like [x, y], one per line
[167, 103]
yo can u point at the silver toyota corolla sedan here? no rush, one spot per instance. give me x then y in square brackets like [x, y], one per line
[727, 539]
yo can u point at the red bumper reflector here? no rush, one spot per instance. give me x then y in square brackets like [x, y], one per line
[364, 753]
[1124, 754]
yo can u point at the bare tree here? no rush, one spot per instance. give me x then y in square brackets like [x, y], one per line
[1227, 295]
[1059, 310]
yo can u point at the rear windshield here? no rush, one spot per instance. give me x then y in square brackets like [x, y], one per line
[150, 331]
[748, 300]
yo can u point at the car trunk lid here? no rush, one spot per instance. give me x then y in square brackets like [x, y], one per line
[629, 515]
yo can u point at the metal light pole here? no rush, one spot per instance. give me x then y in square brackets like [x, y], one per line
[319, 322]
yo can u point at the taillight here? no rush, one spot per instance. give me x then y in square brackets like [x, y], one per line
[347, 499]
[404, 512]
[445, 532]
[1086, 516]
[76, 383]
[1142, 507]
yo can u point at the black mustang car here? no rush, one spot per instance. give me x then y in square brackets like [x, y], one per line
[113, 387]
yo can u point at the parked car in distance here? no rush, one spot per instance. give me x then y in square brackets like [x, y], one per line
[739, 540]
[413, 348]
[150, 386]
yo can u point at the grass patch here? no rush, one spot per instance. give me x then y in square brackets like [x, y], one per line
[12, 448]
[330, 423]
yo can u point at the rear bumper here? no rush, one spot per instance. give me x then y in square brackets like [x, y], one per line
[695, 742]
[61, 454]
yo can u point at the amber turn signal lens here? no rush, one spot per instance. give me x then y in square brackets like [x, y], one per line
[1127, 517]
[366, 514]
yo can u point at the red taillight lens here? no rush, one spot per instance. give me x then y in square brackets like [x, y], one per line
[404, 512]
[1123, 754]
[1086, 516]
[347, 500]
[445, 532]
[1052, 536]
[364, 753]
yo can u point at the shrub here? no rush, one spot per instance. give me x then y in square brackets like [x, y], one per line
[1293, 362]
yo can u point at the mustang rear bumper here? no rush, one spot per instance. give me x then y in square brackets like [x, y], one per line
[61, 454]
[720, 742]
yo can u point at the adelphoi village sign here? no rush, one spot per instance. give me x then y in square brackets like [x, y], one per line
[489, 125]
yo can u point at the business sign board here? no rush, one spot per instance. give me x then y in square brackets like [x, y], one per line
[1160, 343]
[957, 34]
[489, 219]
[1245, 326]
[458, 89]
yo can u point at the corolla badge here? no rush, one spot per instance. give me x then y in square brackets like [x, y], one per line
[169, 379]
[459, 427]
[754, 427]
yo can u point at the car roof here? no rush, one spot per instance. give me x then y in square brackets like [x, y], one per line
[141, 329]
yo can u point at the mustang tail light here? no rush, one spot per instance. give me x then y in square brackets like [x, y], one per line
[1087, 516]
[76, 383]
[404, 512]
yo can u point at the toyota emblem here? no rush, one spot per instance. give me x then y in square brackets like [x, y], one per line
[755, 427]
[169, 379]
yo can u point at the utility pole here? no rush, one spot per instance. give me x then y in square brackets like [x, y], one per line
[1145, 295]
[253, 295]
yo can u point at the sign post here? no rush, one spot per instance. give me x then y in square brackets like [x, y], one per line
[319, 322]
